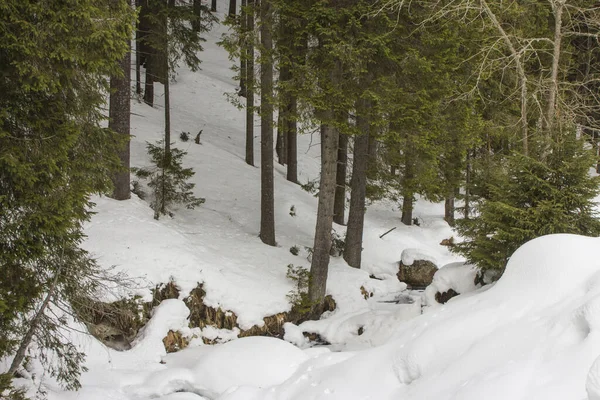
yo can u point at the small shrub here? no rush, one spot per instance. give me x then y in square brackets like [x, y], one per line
[298, 297]
[311, 187]
[337, 244]
[293, 211]
[168, 180]
[184, 136]
[295, 250]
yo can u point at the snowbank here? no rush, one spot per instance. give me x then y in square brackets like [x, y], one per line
[534, 335]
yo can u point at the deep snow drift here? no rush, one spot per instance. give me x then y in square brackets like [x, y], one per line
[533, 335]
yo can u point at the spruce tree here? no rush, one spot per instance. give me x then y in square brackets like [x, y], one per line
[53, 155]
[548, 191]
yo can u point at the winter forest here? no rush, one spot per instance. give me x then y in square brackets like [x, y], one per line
[299, 199]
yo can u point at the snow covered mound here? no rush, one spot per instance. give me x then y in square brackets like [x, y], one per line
[459, 277]
[533, 335]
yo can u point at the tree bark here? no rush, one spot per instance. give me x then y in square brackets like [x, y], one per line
[407, 209]
[267, 214]
[558, 6]
[358, 187]
[292, 142]
[119, 121]
[319, 266]
[279, 144]
[339, 205]
[449, 208]
[138, 66]
[243, 47]
[149, 88]
[250, 85]
[197, 8]
[33, 326]
[139, 47]
[467, 209]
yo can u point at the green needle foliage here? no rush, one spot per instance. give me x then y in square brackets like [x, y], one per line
[55, 58]
[168, 180]
[549, 191]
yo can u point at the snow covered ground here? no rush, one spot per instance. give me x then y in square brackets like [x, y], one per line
[533, 335]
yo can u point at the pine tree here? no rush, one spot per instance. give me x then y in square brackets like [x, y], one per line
[534, 195]
[168, 180]
[53, 155]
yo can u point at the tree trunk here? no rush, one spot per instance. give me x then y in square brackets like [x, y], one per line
[232, 7]
[550, 113]
[119, 121]
[250, 86]
[372, 163]
[33, 326]
[149, 88]
[284, 113]
[339, 205]
[167, 118]
[267, 207]
[213, 6]
[279, 141]
[167, 144]
[449, 208]
[138, 67]
[243, 47]
[319, 266]
[358, 186]
[292, 143]
[197, 8]
[408, 182]
[407, 209]
[467, 209]
[139, 36]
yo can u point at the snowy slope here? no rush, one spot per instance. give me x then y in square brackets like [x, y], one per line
[217, 244]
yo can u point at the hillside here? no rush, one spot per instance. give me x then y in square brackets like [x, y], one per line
[533, 335]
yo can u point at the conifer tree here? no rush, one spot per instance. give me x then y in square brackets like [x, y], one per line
[53, 155]
[533, 195]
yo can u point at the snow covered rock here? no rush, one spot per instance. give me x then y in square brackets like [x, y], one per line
[449, 281]
[416, 268]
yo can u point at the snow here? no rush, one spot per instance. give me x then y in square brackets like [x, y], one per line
[503, 343]
[532, 335]
[409, 256]
[458, 276]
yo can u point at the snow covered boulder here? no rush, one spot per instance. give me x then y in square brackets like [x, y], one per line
[416, 268]
[450, 281]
